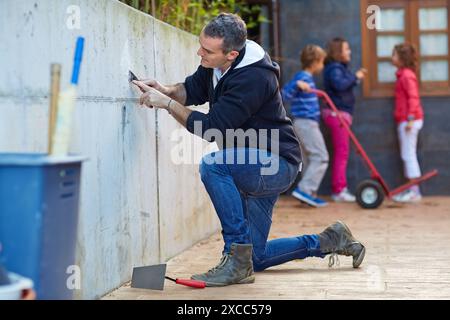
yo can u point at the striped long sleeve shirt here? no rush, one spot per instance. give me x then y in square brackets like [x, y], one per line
[303, 104]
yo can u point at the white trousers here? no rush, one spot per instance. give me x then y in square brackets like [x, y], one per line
[408, 148]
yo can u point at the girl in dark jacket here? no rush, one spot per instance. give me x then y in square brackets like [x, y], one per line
[339, 82]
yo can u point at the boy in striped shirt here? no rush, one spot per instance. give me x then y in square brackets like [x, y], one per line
[306, 111]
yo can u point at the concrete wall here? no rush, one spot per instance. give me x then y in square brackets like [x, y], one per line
[305, 21]
[139, 205]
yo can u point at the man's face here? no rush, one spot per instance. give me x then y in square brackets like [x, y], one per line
[211, 53]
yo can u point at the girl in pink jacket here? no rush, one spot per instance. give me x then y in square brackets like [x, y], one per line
[408, 115]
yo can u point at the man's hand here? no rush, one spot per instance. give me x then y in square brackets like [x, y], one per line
[152, 97]
[302, 85]
[155, 84]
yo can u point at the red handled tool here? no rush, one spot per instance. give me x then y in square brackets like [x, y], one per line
[187, 282]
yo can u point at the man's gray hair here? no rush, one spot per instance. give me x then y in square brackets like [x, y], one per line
[229, 27]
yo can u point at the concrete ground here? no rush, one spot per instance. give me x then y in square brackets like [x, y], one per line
[408, 257]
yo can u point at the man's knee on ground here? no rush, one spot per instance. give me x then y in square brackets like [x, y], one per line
[258, 267]
[257, 263]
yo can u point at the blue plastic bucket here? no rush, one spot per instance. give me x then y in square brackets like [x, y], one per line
[39, 198]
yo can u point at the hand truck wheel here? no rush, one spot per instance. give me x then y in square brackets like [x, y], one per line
[369, 194]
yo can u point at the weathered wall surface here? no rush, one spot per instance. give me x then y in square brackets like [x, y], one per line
[139, 203]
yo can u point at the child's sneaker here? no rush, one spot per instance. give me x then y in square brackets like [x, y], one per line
[344, 196]
[408, 196]
[308, 199]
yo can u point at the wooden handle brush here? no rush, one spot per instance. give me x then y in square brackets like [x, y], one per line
[55, 78]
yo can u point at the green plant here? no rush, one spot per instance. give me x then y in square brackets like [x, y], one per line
[192, 15]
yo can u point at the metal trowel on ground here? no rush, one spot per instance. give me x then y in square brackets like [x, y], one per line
[152, 277]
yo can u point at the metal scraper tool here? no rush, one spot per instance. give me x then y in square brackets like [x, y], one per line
[132, 76]
[149, 277]
[152, 277]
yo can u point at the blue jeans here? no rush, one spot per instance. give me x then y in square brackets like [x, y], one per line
[244, 194]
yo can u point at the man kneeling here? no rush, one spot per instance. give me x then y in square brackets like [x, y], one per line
[259, 155]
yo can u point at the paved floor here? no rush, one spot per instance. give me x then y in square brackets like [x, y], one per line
[408, 257]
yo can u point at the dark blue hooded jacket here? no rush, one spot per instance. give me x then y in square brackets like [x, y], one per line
[246, 97]
[339, 82]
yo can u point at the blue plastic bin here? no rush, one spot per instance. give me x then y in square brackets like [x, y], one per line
[38, 219]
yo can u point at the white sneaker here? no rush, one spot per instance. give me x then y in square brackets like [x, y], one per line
[407, 196]
[344, 196]
[399, 196]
